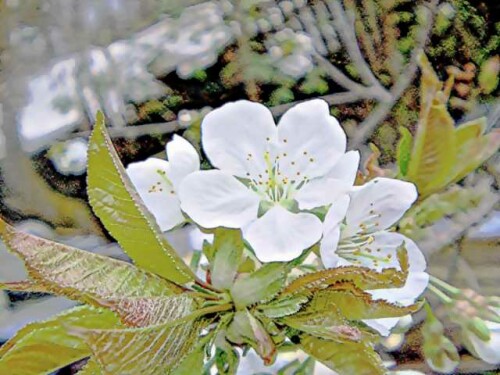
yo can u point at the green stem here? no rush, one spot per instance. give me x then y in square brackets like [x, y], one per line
[207, 286]
[443, 297]
[204, 296]
[444, 285]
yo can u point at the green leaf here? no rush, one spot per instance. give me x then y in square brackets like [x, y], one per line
[121, 210]
[355, 304]
[228, 247]
[404, 150]
[470, 130]
[24, 286]
[91, 368]
[79, 274]
[246, 329]
[262, 285]
[346, 357]
[284, 306]
[43, 347]
[194, 361]
[297, 368]
[148, 311]
[363, 278]
[324, 323]
[474, 152]
[429, 84]
[148, 351]
[434, 151]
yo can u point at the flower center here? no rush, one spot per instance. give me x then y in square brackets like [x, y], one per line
[359, 250]
[158, 186]
[275, 186]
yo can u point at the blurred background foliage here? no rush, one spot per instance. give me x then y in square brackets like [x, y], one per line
[156, 67]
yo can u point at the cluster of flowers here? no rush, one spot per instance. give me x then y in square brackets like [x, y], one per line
[287, 187]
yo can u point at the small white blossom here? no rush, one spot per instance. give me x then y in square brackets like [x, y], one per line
[356, 233]
[70, 157]
[157, 181]
[269, 175]
[291, 52]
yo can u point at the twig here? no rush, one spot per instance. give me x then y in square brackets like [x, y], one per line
[459, 227]
[337, 75]
[337, 98]
[344, 25]
[355, 91]
[404, 80]
[138, 130]
[132, 132]
[465, 268]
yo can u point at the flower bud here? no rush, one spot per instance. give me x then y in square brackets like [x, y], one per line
[439, 352]
[442, 357]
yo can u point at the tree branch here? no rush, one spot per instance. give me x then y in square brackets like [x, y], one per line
[344, 25]
[405, 79]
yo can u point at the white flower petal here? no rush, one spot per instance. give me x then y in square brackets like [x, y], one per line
[321, 192]
[336, 214]
[150, 178]
[327, 248]
[236, 136]
[183, 159]
[331, 232]
[488, 351]
[197, 237]
[382, 252]
[383, 325]
[415, 285]
[179, 239]
[217, 199]
[311, 141]
[379, 204]
[281, 235]
[346, 167]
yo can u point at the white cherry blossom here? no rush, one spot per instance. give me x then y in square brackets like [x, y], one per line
[268, 175]
[356, 233]
[157, 181]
